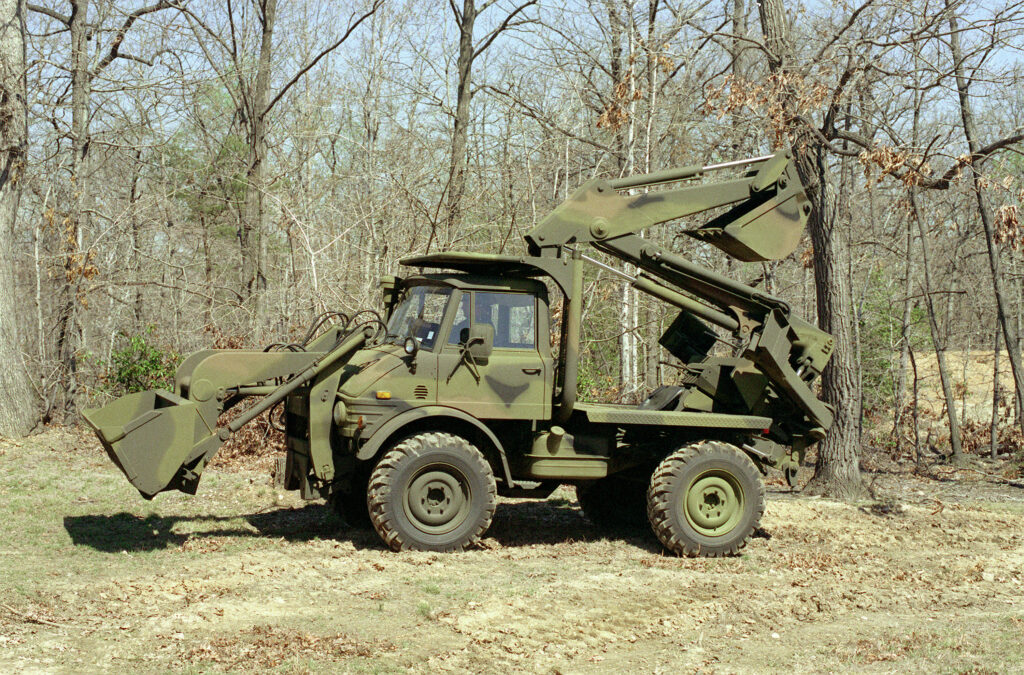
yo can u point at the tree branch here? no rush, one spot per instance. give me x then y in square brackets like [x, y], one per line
[500, 29]
[66, 20]
[944, 181]
[304, 69]
[115, 46]
[839, 33]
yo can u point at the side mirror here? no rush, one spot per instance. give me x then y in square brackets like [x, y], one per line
[481, 341]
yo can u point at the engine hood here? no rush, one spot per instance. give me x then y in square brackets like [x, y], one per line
[367, 366]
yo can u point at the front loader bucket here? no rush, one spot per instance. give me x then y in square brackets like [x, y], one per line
[157, 438]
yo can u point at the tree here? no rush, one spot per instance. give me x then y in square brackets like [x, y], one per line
[254, 105]
[837, 471]
[978, 157]
[76, 263]
[17, 409]
[469, 51]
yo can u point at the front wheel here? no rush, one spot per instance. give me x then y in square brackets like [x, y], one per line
[705, 499]
[432, 492]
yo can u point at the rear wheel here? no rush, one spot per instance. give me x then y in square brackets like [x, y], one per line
[705, 499]
[617, 502]
[432, 492]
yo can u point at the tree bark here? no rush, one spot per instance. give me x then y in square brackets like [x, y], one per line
[905, 317]
[250, 235]
[938, 340]
[837, 470]
[460, 131]
[974, 144]
[17, 411]
[993, 443]
[69, 332]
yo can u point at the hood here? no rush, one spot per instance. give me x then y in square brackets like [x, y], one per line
[367, 366]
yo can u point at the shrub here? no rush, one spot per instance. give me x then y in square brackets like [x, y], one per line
[138, 364]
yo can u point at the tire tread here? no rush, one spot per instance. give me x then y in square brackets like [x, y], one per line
[659, 500]
[380, 487]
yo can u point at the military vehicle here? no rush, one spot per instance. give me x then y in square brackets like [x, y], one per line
[415, 420]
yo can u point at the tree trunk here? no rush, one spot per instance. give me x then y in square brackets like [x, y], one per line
[251, 233]
[974, 143]
[738, 49]
[17, 411]
[460, 132]
[938, 340]
[994, 425]
[901, 375]
[837, 471]
[133, 202]
[68, 328]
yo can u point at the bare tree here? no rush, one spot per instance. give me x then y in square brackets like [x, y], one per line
[837, 471]
[17, 409]
[254, 104]
[76, 262]
[470, 49]
[978, 157]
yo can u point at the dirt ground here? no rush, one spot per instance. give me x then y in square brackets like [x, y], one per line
[925, 577]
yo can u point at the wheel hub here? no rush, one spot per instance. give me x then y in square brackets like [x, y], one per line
[437, 500]
[713, 503]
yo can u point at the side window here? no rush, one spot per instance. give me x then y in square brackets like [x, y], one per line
[461, 322]
[513, 317]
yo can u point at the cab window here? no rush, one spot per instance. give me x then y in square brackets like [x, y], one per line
[419, 314]
[512, 315]
[461, 322]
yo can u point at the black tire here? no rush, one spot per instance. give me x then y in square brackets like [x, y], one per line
[617, 503]
[349, 502]
[432, 492]
[705, 499]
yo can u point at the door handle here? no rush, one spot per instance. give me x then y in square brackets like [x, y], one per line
[531, 371]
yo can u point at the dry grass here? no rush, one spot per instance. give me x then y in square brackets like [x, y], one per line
[240, 579]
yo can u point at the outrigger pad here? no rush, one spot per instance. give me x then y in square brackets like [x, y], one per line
[158, 440]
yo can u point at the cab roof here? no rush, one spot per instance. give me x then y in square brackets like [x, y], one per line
[503, 267]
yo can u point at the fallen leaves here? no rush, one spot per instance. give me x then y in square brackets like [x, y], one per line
[263, 647]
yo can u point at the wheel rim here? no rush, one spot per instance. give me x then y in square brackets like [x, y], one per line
[713, 503]
[438, 499]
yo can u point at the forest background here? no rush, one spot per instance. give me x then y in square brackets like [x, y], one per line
[184, 173]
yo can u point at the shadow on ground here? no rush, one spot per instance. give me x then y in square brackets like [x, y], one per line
[558, 521]
[118, 532]
[521, 523]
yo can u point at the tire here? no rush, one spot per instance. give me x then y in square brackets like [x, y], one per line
[617, 503]
[705, 499]
[432, 492]
[349, 503]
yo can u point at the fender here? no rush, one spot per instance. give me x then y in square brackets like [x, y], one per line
[374, 443]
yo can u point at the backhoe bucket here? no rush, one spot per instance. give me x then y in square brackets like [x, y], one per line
[758, 230]
[156, 438]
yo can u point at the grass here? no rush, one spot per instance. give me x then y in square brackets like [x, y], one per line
[97, 579]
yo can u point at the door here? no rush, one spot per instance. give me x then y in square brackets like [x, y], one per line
[510, 384]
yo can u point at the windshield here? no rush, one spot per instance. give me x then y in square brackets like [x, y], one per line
[419, 314]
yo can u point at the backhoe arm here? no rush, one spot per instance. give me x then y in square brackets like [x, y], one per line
[768, 210]
[765, 213]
